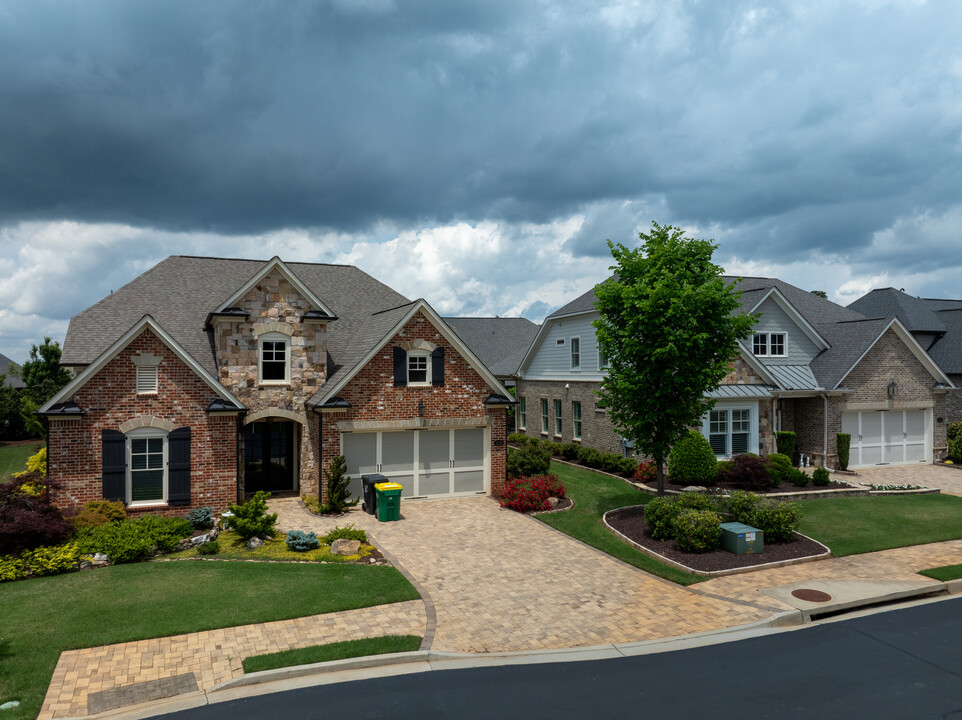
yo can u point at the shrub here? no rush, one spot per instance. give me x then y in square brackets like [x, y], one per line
[779, 467]
[842, 443]
[348, 532]
[517, 438]
[697, 531]
[37, 463]
[820, 477]
[692, 461]
[552, 447]
[51, 560]
[778, 520]
[799, 478]
[529, 459]
[12, 568]
[646, 471]
[627, 466]
[696, 501]
[133, 539]
[300, 541]
[24, 527]
[209, 548]
[954, 434]
[338, 487]
[785, 444]
[569, 451]
[201, 518]
[741, 505]
[722, 468]
[748, 470]
[954, 430]
[531, 494]
[660, 515]
[99, 512]
[250, 519]
[590, 457]
[611, 462]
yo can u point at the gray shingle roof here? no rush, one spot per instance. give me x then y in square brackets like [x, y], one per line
[10, 380]
[180, 291]
[500, 343]
[947, 350]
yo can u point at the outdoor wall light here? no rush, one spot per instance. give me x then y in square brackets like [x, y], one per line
[893, 389]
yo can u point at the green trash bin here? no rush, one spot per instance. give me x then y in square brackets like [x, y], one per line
[388, 501]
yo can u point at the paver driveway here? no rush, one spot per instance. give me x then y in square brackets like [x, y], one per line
[947, 479]
[500, 581]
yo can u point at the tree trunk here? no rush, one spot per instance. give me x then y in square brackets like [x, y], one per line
[660, 475]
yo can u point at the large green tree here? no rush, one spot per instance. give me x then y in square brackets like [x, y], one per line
[43, 377]
[669, 328]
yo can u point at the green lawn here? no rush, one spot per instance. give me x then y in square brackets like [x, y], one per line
[40, 618]
[13, 458]
[944, 573]
[594, 494]
[849, 526]
[333, 651]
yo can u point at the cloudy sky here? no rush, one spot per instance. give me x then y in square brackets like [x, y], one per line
[477, 153]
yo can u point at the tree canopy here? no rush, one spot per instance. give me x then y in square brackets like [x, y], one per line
[43, 377]
[669, 328]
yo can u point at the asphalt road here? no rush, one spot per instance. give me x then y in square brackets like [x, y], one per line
[897, 664]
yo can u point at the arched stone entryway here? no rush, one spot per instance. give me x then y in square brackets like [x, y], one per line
[271, 459]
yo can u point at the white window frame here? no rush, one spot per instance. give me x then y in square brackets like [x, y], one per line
[576, 419]
[144, 434]
[274, 337]
[147, 380]
[762, 344]
[574, 353]
[419, 355]
[558, 425]
[544, 416]
[603, 362]
[729, 410]
[522, 413]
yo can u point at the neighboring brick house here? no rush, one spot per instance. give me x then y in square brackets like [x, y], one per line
[811, 366]
[206, 379]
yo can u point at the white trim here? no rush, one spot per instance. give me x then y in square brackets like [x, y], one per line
[759, 369]
[442, 327]
[274, 337]
[785, 304]
[427, 368]
[146, 322]
[571, 353]
[145, 433]
[275, 263]
[912, 344]
[729, 406]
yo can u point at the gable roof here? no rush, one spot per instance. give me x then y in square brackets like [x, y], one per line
[10, 380]
[940, 317]
[500, 343]
[275, 264]
[145, 323]
[180, 291]
[378, 329]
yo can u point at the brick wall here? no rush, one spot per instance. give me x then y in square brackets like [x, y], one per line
[953, 401]
[110, 399]
[597, 430]
[373, 397]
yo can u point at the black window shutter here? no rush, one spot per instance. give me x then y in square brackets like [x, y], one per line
[437, 366]
[114, 464]
[178, 466]
[400, 367]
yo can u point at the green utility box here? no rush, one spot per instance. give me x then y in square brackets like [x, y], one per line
[742, 539]
[388, 501]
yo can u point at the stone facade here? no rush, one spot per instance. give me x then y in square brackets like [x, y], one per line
[741, 373]
[111, 401]
[376, 402]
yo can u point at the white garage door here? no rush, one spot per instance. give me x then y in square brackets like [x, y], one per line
[891, 437]
[427, 463]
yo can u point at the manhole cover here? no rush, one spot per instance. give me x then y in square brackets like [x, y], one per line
[811, 595]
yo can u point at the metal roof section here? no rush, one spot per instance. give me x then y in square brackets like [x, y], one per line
[727, 392]
[67, 409]
[145, 323]
[794, 377]
[275, 263]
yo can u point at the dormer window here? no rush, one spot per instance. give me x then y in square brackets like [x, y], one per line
[768, 344]
[274, 353]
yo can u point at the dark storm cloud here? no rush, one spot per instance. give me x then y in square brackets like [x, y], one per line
[795, 127]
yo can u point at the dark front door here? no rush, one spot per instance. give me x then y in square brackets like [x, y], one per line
[269, 457]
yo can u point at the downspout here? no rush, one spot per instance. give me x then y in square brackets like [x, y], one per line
[240, 458]
[825, 435]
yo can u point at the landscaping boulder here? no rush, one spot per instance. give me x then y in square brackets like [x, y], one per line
[695, 488]
[200, 539]
[343, 546]
[553, 502]
[254, 542]
[101, 559]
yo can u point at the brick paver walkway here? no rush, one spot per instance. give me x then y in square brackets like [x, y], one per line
[947, 479]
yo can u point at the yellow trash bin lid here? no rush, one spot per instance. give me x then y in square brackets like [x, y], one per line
[388, 486]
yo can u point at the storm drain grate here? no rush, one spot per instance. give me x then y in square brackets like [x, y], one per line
[141, 692]
[808, 595]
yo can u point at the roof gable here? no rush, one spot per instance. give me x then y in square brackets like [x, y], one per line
[145, 323]
[272, 265]
[783, 302]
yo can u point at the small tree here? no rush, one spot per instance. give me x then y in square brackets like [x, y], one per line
[338, 490]
[669, 328]
[43, 377]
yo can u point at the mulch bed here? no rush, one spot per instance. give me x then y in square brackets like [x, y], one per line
[631, 523]
[783, 487]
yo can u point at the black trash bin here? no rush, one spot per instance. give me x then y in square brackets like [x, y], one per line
[370, 494]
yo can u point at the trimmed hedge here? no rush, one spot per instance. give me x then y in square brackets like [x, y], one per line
[692, 461]
[843, 442]
[785, 443]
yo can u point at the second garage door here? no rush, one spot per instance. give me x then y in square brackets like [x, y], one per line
[427, 463]
[891, 437]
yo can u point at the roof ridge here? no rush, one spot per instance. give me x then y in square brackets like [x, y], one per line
[258, 260]
[396, 307]
[855, 320]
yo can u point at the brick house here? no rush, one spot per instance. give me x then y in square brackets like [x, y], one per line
[812, 366]
[206, 379]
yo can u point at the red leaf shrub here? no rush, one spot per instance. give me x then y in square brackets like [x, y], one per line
[646, 472]
[748, 470]
[28, 521]
[527, 494]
